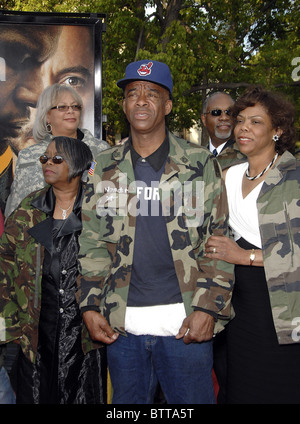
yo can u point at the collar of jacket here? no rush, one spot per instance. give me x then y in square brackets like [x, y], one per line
[45, 202]
[80, 136]
[232, 144]
[156, 159]
[286, 162]
[229, 143]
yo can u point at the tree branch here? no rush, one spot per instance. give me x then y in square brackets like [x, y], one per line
[232, 85]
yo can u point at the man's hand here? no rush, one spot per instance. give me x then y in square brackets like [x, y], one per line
[99, 328]
[197, 327]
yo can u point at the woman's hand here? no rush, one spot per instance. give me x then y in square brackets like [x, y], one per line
[226, 249]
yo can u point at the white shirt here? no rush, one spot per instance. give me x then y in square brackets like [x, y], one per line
[219, 148]
[158, 320]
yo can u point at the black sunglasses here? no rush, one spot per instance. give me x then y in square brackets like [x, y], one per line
[65, 108]
[57, 159]
[218, 112]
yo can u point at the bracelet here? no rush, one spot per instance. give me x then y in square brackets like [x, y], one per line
[252, 256]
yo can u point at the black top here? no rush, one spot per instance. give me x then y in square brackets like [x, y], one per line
[153, 280]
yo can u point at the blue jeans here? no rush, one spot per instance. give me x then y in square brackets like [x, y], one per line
[7, 395]
[137, 363]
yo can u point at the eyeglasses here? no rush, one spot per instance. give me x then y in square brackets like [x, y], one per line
[57, 159]
[65, 108]
[218, 112]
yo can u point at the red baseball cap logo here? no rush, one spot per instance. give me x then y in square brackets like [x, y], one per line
[145, 69]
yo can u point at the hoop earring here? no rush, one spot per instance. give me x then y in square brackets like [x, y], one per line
[49, 128]
[275, 138]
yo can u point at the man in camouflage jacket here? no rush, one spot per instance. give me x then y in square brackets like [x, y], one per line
[107, 241]
[28, 176]
[106, 257]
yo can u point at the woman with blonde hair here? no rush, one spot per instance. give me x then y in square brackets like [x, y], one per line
[58, 113]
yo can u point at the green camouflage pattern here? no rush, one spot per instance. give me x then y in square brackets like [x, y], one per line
[279, 218]
[107, 238]
[28, 175]
[231, 155]
[21, 261]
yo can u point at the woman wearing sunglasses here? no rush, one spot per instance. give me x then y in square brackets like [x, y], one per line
[38, 269]
[58, 113]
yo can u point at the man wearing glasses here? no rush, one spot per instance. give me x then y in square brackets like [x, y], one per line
[217, 120]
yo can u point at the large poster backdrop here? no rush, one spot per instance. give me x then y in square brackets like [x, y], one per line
[38, 50]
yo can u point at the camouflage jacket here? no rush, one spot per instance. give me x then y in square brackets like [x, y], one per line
[28, 176]
[21, 262]
[279, 218]
[230, 155]
[107, 238]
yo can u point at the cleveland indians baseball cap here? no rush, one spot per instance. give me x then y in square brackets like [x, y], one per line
[148, 70]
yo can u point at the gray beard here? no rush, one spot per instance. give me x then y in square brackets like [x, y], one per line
[222, 135]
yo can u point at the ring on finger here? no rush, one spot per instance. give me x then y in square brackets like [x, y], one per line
[214, 250]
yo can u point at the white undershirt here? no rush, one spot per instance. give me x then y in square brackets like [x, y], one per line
[159, 320]
[243, 217]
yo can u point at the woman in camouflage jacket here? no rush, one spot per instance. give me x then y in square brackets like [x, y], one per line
[264, 210]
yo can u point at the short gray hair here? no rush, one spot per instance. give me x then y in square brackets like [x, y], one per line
[46, 101]
[205, 103]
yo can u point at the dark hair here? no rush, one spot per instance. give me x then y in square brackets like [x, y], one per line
[76, 153]
[280, 110]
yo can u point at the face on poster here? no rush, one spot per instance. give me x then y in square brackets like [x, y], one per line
[33, 57]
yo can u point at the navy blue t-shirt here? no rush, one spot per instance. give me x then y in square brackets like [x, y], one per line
[153, 279]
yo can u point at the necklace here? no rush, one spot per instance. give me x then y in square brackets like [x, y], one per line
[64, 211]
[262, 173]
